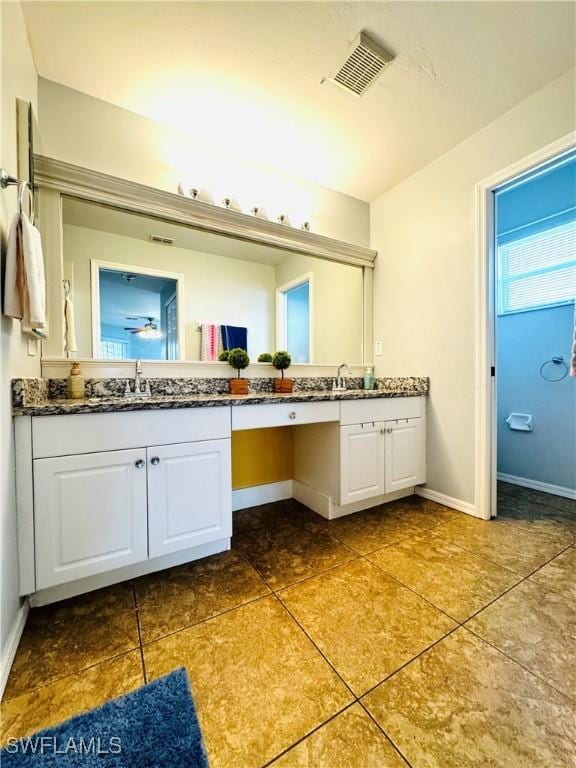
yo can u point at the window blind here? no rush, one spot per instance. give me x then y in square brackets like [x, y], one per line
[538, 270]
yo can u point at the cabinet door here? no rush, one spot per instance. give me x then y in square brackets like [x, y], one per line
[405, 454]
[89, 514]
[361, 462]
[189, 495]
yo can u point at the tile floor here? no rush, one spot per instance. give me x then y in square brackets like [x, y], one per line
[404, 635]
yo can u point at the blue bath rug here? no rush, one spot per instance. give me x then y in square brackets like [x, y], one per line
[153, 727]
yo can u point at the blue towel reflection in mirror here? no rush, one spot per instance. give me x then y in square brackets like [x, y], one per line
[234, 337]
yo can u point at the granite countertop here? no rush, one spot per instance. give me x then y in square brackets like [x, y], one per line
[58, 407]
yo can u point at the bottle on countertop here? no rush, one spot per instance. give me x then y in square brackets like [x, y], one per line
[369, 378]
[75, 383]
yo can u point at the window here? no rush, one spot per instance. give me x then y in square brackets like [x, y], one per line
[537, 270]
[113, 350]
[294, 318]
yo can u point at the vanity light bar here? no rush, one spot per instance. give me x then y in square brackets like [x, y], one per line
[231, 205]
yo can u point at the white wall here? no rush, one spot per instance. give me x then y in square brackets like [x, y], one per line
[336, 305]
[424, 231]
[216, 289]
[18, 78]
[86, 131]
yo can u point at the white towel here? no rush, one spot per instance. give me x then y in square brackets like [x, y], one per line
[13, 290]
[70, 344]
[34, 268]
[25, 288]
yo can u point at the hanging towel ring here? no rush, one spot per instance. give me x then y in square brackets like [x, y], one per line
[555, 361]
[24, 186]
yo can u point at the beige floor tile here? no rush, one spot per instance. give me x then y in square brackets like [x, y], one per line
[179, 597]
[69, 636]
[286, 543]
[559, 574]
[365, 622]
[530, 501]
[372, 529]
[539, 515]
[70, 696]
[453, 579]
[537, 628]
[503, 544]
[350, 740]
[462, 704]
[423, 513]
[258, 682]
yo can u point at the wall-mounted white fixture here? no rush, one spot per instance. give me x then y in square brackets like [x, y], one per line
[521, 422]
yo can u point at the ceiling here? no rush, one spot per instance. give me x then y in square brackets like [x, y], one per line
[81, 213]
[247, 75]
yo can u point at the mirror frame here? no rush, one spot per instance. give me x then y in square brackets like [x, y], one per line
[56, 179]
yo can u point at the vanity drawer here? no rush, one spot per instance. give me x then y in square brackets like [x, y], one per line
[89, 433]
[381, 409]
[283, 414]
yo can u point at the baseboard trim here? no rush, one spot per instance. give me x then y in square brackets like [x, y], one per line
[448, 501]
[324, 505]
[537, 485]
[118, 575]
[242, 498]
[9, 651]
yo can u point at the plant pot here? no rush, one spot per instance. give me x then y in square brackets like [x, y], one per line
[239, 386]
[283, 386]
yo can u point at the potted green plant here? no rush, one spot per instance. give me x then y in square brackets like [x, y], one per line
[281, 361]
[223, 356]
[265, 357]
[238, 359]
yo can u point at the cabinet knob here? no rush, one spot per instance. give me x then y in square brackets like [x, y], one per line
[155, 460]
[292, 415]
[139, 463]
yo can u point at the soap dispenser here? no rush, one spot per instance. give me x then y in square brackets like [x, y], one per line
[369, 378]
[75, 383]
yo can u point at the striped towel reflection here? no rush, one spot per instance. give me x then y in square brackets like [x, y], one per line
[210, 342]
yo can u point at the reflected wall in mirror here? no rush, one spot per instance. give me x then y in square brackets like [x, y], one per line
[145, 288]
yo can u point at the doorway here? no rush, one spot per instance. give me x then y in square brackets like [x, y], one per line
[535, 289]
[526, 403]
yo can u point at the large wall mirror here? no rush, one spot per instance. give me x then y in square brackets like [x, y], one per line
[142, 287]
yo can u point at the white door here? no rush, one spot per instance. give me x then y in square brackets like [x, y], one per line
[405, 454]
[89, 514]
[189, 495]
[361, 462]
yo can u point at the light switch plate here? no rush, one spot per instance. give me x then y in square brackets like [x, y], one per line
[378, 348]
[32, 347]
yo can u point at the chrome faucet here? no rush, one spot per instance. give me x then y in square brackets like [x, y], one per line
[138, 377]
[339, 383]
[138, 390]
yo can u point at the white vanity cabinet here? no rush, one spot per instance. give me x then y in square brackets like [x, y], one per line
[137, 491]
[90, 514]
[381, 457]
[361, 462]
[189, 495]
[375, 454]
[405, 454]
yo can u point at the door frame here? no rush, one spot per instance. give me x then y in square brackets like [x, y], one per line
[281, 330]
[485, 320]
[97, 264]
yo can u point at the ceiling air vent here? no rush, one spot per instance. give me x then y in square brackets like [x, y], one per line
[365, 60]
[161, 240]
